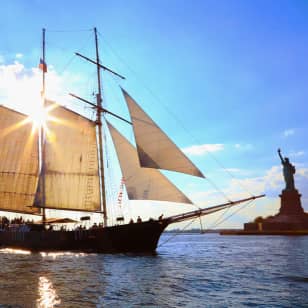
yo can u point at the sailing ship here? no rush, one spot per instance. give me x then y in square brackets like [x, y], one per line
[62, 168]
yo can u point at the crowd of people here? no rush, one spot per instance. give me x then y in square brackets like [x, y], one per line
[94, 226]
[5, 222]
[21, 223]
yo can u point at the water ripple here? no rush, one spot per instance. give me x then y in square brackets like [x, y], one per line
[190, 271]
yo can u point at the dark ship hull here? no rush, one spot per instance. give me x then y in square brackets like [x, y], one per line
[136, 238]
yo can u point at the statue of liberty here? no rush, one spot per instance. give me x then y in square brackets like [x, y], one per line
[288, 172]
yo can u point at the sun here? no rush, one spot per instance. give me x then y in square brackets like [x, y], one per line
[39, 117]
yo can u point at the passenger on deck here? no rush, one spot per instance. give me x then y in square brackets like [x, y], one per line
[131, 221]
[161, 217]
[139, 219]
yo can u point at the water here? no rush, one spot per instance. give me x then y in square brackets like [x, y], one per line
[191, 270]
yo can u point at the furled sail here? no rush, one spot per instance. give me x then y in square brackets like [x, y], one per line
[155, 149]
[143, 183]
[19, 162]
[71, 161]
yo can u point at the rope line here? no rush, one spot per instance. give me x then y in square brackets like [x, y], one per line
[177, 233]
[71, 30]
[74, 56]
[156, 98]
[220, 222]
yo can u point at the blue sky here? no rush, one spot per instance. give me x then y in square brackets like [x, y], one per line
[228, 76]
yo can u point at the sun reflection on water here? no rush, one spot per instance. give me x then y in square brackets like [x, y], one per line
[55, 255]
[15, 251]
[47, 294]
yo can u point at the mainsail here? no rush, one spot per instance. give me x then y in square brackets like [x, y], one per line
[143, 183]
[19, 162]
[71, 161]
[155, 149]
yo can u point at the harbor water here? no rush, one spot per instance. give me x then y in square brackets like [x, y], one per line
[189, 270]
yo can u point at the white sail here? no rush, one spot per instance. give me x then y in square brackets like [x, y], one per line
[155, 149]
[19, 162]
[71, 161]
[143, 183]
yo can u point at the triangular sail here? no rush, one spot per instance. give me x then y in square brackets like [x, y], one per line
[155, 149]
[71, 161]
[143, 183]
[19, 162]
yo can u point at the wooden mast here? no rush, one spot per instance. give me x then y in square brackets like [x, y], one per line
[99, 111]
[99, 125]
[42, 133]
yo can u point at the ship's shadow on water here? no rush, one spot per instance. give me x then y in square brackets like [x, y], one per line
[188, 271]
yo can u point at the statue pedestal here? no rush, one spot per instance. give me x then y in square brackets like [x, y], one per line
[291, 217]
[290, 203]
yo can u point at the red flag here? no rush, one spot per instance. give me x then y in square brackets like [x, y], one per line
[43, 65]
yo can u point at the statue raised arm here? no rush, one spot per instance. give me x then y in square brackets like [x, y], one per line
[281, 158]
[288, 171]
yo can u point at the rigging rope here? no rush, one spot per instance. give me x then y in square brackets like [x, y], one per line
[71, 30]
[74, 56]
[177, 233]
[201, 226]
[82, 46]
[183, 127]
[109, 187]
[211, 227]
[217, 222]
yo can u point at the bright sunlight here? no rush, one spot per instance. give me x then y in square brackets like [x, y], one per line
[39, 117]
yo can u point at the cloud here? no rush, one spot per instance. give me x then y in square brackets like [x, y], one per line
[271, 183]
[20, 87]
[18, 84]
[288, 132]
[303, 172]
[297, 154]
[202, 149]
[243, 147]
[233, 170]
[19, 55]
[238, 172]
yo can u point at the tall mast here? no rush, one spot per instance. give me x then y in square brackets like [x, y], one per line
[42, 133]
[99, 110]
[99, 125]
[43, 70]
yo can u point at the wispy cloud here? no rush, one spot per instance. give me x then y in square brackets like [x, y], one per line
[243, 146]
[238, 171]
[297, 154]
[19, 55]
[20, 87]
[288, 132]
[199, 150]
[233, 170]
[271, 183]
[303, 172]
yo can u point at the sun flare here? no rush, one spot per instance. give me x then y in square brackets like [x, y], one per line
[39, 117]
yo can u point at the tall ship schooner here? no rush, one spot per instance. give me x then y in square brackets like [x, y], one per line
[61, 167]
